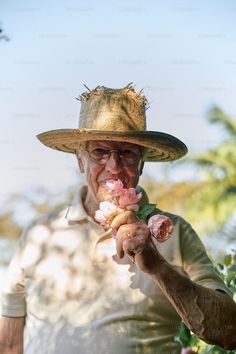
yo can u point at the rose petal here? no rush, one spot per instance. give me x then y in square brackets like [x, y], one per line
[133, 207]
[160, 227]
[129, 197]
[114, 187]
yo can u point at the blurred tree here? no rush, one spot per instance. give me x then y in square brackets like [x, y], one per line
[171, 197]
[213, 203]
[8, 226]
[3, 36]
[19, 209]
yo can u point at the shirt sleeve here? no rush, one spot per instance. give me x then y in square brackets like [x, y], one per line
[13, 290]
[196, 262]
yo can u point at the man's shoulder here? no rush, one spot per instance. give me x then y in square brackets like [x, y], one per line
[50, 219]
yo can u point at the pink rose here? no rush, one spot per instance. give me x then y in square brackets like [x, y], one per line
[106, 213]
[160, 227]
[117, 200]
[129, 199]
[114, 188]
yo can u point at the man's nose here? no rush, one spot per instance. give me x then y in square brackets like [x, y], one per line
[114, 163]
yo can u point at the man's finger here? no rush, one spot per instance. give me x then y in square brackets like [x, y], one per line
[133, 246]
[127, 217]
[124, 232]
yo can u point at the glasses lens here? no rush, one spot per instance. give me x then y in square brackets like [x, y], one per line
[100, 154]
[127, 156]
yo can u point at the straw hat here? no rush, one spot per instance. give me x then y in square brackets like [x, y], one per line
[115, 115]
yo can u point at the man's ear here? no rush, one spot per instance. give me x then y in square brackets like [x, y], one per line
[80, 163]
[141, 168]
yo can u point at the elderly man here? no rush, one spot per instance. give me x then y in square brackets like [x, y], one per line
[71, 290]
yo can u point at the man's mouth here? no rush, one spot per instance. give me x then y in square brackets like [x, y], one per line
[117, 179]
[103, 182]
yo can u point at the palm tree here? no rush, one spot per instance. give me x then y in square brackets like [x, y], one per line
[214, 202]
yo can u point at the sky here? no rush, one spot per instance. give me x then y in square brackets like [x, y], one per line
[182, 53]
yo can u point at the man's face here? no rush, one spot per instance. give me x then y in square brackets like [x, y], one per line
[114, 167]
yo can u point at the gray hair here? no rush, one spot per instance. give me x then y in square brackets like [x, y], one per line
[81, 147]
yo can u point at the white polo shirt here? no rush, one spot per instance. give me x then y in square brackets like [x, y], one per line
[79, 298]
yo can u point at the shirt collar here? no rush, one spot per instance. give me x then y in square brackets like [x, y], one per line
[76, 211]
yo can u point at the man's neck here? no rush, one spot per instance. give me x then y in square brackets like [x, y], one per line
[89, 205]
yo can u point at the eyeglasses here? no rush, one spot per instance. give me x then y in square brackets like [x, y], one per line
[127, 156]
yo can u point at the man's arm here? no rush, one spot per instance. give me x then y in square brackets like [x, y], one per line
[11, 335]
[210, 314]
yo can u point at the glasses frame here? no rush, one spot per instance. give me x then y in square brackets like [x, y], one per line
[118, 151]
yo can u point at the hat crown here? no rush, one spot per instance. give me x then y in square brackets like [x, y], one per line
[110, 109]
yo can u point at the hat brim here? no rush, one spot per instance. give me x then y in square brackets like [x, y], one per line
[158, 146]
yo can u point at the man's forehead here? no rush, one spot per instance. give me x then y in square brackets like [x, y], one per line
[112, 144]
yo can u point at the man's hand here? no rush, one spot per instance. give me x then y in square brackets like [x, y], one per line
[134, 239]
[203, 310]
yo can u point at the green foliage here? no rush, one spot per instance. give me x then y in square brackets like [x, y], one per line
[217, 115]
[227, 270]
[144, 211]
[213, 203]
[185, 337]
[216, 350]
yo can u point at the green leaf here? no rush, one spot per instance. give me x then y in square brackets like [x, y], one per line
[230, 277]
[232, 268]
[227, 259]
[234, 258]
[184, 336]
[220, 266]
[145, 211]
